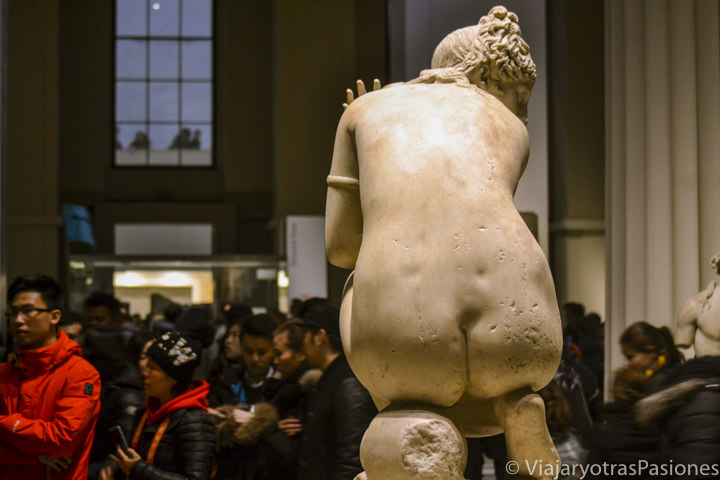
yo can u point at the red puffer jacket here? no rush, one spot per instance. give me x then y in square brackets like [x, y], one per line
[49, 403]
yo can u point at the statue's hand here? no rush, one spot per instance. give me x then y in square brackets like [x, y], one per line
[350, 96]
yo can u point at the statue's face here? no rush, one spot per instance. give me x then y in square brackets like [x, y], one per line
[514, 94]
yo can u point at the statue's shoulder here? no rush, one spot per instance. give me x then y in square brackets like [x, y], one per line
[369, 106]
[710, 290]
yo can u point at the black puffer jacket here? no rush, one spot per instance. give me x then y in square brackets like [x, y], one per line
[338, 412]
[617, 440]
[185, 451]
[686, 406]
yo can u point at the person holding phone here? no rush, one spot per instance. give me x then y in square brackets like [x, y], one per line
[174, 434]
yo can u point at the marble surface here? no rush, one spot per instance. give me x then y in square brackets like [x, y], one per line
[698, 323]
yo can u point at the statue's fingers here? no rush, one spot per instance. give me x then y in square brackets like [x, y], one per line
[361, 87]
[349, 96]
[376, 85]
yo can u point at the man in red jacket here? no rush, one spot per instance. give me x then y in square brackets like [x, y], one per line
[49, 395]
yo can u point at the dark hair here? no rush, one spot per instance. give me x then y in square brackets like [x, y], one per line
[317, 313]
[645, 338]
[70, 318]
[334, 341]
[236, 311]
[311, 305]
[589, 325]
[105, 349]
[295, 307]
[196, 322]
[103, 299]
[574, 309]
[295, 335]
[261, 325]
[172, 312]
[557, 410]
[47, 287]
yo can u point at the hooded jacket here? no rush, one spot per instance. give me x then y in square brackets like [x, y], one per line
[185, 450]
[49, 403]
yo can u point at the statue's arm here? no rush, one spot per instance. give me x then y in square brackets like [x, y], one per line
[686, 323]
[343, 215]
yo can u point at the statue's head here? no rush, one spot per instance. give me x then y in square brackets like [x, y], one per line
[491, 55]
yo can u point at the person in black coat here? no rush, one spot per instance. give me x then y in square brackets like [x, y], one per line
[618, 440]
[686, 407]
[339, 409]
[175, 435]
[121, 395]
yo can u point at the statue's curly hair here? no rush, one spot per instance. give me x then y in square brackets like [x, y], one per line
[494, 48]
[715, 261]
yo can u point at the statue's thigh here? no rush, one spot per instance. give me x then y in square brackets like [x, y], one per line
[506, 354]
[404, 358]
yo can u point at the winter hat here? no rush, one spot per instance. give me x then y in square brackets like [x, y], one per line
[177, 356]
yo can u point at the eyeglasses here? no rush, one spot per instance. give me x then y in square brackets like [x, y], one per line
[26, 311]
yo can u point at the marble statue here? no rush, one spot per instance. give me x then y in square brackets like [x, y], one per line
[698, 323]
[450, 318]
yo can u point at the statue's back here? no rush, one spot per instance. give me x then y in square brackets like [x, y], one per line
[447, 269]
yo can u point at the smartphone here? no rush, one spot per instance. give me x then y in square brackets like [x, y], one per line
[118, 437]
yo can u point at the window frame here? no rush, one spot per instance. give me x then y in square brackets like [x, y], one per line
[147, 80]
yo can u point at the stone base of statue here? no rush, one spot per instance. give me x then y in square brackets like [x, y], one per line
[413, 444]
[417, 444]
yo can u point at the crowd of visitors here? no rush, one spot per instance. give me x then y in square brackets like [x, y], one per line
[663, 419]
[260, 397]
[277, 400]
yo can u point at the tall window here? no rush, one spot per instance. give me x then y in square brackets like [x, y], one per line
[163, 83]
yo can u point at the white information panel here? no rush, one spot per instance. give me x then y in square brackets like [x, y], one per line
[306, 259]
[163, 239]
